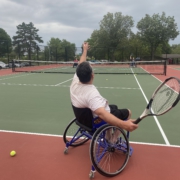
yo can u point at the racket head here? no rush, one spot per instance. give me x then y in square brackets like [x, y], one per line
[165, 97]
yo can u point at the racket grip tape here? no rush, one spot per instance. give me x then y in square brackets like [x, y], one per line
[137, 120]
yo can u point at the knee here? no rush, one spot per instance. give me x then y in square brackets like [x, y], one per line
[129, 114]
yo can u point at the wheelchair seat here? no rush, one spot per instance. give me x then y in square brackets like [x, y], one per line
[103, 153]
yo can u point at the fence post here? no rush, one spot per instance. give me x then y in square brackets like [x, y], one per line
[8, 51]
[18, 51]
[37, 52]
[56, 53]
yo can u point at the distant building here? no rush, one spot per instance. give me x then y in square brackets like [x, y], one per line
[172, 58]
[167, 56]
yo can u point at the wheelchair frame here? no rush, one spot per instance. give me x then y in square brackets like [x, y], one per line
[101, 149]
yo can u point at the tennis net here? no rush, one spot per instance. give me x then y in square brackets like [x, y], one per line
[140, 67]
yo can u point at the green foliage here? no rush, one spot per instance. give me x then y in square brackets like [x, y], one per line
[61, 50]
[135, 47]
[157, 31]
[109, 39]
[114, 40]
[175, 49]
[25, 41]
[5, 43]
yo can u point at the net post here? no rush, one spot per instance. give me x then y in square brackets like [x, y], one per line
[13, 66]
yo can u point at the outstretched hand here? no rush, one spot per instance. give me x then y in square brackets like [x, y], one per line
[86, 46]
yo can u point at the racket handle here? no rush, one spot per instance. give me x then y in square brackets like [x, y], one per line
[137, 120]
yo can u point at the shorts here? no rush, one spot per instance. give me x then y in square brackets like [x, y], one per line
[119, 113]
[75, 64]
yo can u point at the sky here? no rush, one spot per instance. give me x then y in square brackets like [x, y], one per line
[75, 20]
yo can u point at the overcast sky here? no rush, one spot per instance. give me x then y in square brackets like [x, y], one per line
[75, 20]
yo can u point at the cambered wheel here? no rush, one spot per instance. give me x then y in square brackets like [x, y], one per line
[70, 131]
[109, 150]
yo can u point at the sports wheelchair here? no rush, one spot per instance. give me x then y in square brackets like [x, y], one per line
[109, 147]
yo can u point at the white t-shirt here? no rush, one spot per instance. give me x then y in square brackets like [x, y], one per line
[86, 96]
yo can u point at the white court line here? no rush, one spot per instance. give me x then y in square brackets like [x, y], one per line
[56, 135]
[63, 82]
[54, 68]
[155, 118]
[15, 76]
[47, 85]
[154, 144]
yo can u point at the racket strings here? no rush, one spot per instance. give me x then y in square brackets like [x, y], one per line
[165, 97]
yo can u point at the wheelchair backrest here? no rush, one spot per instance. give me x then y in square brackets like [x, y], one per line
[84, 116]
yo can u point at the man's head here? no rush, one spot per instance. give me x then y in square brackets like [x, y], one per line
[84, 72]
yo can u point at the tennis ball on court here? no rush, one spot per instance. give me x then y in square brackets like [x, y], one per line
[12, 153]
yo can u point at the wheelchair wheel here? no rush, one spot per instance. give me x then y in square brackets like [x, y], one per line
[70, 132]
[109, 150]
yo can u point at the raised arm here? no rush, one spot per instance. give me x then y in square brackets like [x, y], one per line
[84, 54]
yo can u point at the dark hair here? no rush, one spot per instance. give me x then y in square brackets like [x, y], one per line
[84, 72]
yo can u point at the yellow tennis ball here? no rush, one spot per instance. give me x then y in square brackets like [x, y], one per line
[12, 153]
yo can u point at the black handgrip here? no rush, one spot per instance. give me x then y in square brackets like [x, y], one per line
[137, 120]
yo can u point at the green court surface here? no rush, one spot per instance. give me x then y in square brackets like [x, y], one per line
[40, 103]
[177, 69]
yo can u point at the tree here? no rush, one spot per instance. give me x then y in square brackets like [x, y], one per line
[26, 39]
[114, 31]
[97, 50]
[61, 50]
[157, 30]
[175, 49]
[5, 42]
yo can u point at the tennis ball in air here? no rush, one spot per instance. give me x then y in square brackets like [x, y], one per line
[12, 153]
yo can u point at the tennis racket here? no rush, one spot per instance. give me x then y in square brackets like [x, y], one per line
[164, 98]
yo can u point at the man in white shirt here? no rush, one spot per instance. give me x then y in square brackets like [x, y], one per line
[85, 95]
